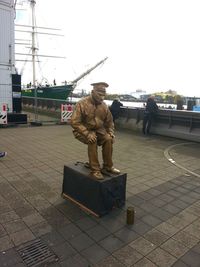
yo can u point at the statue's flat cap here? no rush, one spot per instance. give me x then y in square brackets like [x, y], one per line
[100, 84]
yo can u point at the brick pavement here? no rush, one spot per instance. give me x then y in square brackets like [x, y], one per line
[166, 231]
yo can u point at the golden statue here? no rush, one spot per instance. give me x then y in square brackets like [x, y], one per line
[92, 124]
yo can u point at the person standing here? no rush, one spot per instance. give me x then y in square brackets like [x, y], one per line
[93, 125]
[149, 114]
[3, 154]
[115, 108]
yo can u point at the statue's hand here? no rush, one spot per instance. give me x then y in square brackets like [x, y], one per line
[113, 137]
[92, 137]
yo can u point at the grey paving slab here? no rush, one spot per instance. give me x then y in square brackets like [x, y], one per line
[166, 201]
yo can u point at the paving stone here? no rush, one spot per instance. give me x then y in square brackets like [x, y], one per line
[64, 251]
[194, 195]
[75, 214]
[2, 231]
[24, 211]
[86, 223]
[69, 231]
[189, 186]
[162, 214]
[178, 222]
[21, 237]
[156, 237]
[187, 199]
[186, 239]
[10, 258]
[5, 208]
[194, 210]
[53, 238]
[191, 258]
[145, 195]
[157, 202]
[15, 226]
[181, 189]
[141, 227]
[113, 225]
[196, 248]
[33, 219]
[17, 202]
[174, 193]
[94, 253]
[19, 265]
[171, 208]
[139, 212]
[142, 245]
[8, 216]
[183, 179]
[175, 248]
[127, 255]
[81, 242]
[135, 200]
[5, 243]
[111, 243]
[177, 182]
[154, 192]
[165, 197]
[161, 188]
[74, 261]
[108, 262]
[148, 207]
[197, 189]
[161, 258]
[151, 220]
[144, 263]
[193, 230]
[57, 221]
[167, 229]
[179, 263]
[126, 235]
[186, 216]
[41, 228]
[98, 232]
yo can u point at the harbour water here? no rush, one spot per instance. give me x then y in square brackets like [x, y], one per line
[132, 104]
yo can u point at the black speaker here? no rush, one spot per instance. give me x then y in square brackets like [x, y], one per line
[97, 197]
[16, 92]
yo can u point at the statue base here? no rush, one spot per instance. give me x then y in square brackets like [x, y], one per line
[97, 197]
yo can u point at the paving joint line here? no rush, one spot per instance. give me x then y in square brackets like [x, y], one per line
[169, 158]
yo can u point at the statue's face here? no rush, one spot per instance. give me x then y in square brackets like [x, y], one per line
[98, 96]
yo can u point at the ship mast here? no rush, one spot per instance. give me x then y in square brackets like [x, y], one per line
[33, 49]
[89, 70]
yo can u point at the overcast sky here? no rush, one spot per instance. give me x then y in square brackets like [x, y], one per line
[153, 45]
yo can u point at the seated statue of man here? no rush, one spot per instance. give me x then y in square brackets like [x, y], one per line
[92, 124]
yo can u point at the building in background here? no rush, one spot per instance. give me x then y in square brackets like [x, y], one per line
[7, 53]
[138, 93]
[10, 81]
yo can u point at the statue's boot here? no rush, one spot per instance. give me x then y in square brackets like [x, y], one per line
[97, 175]
[112, 170]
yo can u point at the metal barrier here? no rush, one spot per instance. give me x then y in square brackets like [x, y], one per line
[175, 123]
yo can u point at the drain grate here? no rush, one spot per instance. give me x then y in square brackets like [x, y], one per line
[36, 253]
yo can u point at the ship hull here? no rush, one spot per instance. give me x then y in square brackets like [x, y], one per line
[52, 92]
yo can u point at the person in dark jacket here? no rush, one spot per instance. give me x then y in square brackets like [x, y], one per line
[149, 114]
[3, 154]
[115, 108]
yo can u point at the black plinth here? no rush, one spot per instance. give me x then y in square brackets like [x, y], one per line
[98, 197]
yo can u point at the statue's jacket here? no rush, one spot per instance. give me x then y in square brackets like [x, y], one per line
[88, 117]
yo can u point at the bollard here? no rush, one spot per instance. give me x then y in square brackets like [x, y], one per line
[130, 215]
